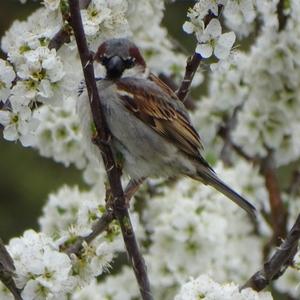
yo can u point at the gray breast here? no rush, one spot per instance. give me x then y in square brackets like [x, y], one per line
[146, 153]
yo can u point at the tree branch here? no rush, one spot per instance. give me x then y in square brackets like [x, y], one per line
[7, 270]
[281, 259]
[102, 140]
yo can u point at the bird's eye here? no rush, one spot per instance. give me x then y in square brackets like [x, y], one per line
[104, 60]
[129, 63]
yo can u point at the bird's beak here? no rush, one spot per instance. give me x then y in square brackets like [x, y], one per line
[115, 67]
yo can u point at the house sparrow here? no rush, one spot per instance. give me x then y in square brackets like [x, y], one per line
[150, 127]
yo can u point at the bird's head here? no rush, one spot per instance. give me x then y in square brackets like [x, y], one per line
[118, 56]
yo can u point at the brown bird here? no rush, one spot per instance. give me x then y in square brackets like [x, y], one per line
[150, 127]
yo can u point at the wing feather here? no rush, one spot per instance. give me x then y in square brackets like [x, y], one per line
[157, 105]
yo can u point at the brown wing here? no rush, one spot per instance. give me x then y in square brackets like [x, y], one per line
[157, 105]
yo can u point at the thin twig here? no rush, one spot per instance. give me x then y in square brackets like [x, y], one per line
[102, 224]
[192, 65]
[132, 187]
[281, 259]
[189, 102]
[282, 17]
[294, 186]
[60, 38]
[278, 210]
[225, 133]
[64, 34]
[7, 270]
[113, 172]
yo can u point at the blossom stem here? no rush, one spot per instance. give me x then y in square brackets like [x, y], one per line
[278, 263]
[113, 172]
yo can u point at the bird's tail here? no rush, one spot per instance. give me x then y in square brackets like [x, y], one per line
[208, 176]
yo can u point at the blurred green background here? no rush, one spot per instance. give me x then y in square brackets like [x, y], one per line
[26, 178]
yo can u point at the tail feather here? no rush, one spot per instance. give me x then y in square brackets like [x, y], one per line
[208, 176]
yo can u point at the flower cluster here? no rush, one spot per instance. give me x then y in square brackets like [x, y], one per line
[240, 15]
[58, 135]
[209, 36]
[198, 222]
[206, 288]
[42, 271]
[52, 274]
[48, 79]
[262, 95]
[104, 19]
[107, 289]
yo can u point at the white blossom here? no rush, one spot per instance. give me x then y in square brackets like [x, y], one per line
[212, 40]
[103, 19]
[69, 209]
[209, 36]
[70, 213]
[27, 35]
[239, 16]
[52, 4]
[43, 70]
[198, 223]
[107, 289]
[41, 270]
[206, 288]
[18, 125]
[7, 75]
[59, 135]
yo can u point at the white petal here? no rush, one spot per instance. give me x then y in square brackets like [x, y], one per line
[224, 45]
[4, 117]
[25, 113]
[214, 28]
[188, 27]
[45, 89]
[49, 62]
[214, 8]
[247, 9]
[10, 133]
[28, 140]
[205, 50]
